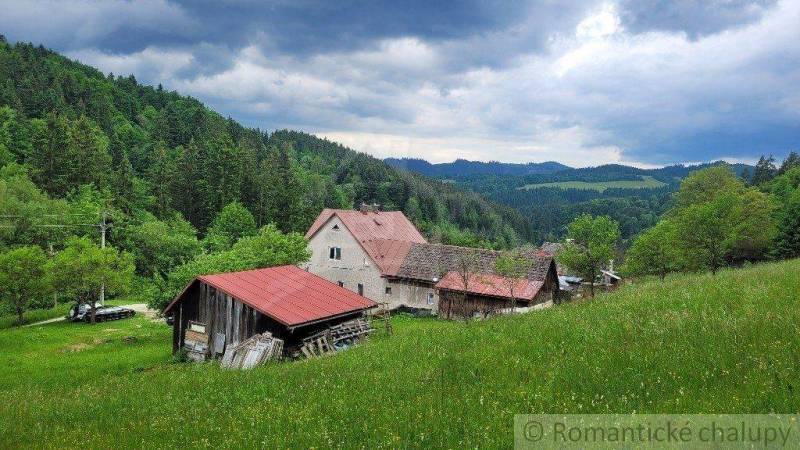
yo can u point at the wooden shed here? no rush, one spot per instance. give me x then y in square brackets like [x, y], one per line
[488, 293]
[286, 301]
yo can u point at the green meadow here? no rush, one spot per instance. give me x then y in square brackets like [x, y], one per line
[647, 182]
[694, 343]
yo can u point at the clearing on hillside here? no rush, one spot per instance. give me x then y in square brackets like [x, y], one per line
[647, 182]
[696, 343]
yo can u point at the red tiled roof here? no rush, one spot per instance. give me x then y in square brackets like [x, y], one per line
[386, 236]
[392, 225]
[387, 254]
[491, 285]
[287, 294]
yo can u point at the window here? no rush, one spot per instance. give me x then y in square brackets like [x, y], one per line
[335, 228]
[360, 289]
[341, 283]
[430, 298]
[388, 290]
[335, 253]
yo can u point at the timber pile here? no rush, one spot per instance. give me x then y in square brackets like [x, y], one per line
[335, 338]
[252, 352]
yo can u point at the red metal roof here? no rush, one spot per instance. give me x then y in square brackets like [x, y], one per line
[491, 285]
[287, 294]
[386, 236]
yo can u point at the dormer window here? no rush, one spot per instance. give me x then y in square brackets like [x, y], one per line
[335, 253]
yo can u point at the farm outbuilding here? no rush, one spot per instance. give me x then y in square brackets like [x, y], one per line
[286, 302]
[488, 293]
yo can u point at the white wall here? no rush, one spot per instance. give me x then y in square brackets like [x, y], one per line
[357, 267]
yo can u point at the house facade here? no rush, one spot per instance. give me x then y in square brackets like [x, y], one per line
[382, 256]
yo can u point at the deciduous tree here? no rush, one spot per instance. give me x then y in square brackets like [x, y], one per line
[22, 278]
[82, 269]
[589, 246]
[653, 252]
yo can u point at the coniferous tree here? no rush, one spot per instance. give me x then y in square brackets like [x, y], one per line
[791, 161]
[88, 158]
[49, 155]
[765, 170]
[189, 187]
[123, 184]
[161, 174]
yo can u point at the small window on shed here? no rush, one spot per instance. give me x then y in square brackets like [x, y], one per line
[388, 290]
[430, 298]
[360, 289]
[341, 283]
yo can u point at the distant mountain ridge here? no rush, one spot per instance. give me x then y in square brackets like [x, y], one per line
[551, 194]
[461, 167]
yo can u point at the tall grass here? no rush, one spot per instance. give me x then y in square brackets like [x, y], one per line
[696, 343]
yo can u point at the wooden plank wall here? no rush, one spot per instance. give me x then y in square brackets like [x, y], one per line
[223, 314]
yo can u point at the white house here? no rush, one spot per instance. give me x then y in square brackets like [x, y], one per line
[382, 256]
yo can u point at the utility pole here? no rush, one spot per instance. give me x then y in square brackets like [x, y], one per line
[103, 228]
[55, 291]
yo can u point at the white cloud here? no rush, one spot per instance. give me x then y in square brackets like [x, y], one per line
[150, 63]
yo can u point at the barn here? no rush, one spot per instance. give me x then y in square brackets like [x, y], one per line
[486, 293]
[286, 301]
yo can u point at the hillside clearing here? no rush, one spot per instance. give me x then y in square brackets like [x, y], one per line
[647, 182]
[696, 343]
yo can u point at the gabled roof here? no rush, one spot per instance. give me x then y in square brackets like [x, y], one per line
[386, 236]
[429, 262]
[288, 294]
[491, 285]
[367, 225]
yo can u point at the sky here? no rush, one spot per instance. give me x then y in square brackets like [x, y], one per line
[640, 82]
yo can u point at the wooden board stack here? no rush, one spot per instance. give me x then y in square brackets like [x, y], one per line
[252, 352]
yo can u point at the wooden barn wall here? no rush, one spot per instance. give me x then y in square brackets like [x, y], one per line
[550, 289]
[454, 304]
[223, 316]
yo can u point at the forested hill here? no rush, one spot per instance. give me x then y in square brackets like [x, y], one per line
[147, 150]
[551, 197]
[462, 167]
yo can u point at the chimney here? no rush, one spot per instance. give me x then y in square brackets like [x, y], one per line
[365, 208]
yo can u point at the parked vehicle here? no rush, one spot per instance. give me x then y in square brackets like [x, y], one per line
[83, 312]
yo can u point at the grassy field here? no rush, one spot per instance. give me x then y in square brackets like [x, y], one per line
[698, 343]
[647, 182]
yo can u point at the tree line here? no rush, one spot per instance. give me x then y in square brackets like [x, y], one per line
[719, 220]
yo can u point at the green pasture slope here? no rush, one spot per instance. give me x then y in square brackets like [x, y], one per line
[647, 182]
[696, 343]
